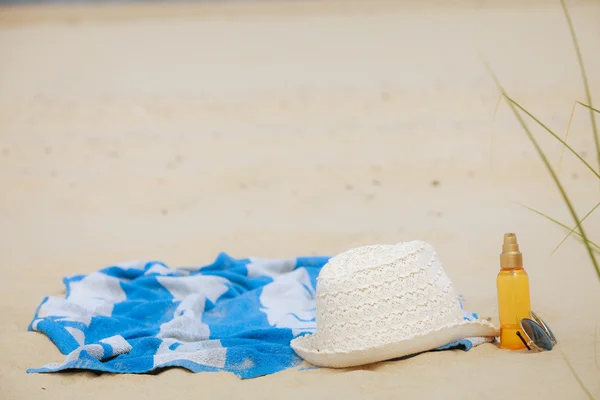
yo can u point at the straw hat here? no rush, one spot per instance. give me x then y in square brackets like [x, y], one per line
[381, 302]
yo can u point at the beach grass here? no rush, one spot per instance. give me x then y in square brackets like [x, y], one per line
[584, 78]
[515, 107]
[577, 378]
[592, 249]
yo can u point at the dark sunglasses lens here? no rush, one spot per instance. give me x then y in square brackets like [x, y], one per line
[541, 322]
[537, 334]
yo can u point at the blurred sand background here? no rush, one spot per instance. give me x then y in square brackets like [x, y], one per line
[174, 132]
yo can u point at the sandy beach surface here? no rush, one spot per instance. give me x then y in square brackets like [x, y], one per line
[174, 132]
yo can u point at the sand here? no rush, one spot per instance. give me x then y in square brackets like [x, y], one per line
[286, 129]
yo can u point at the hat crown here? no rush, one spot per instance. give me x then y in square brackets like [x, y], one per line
[371, 257]
[380, 294]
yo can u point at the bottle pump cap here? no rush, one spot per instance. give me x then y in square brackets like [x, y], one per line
[511, 257]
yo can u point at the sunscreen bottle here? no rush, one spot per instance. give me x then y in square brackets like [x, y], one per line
[513, 294]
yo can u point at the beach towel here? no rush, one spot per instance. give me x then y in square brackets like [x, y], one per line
[234, 315]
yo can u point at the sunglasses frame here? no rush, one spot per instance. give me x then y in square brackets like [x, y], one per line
[541, 323]
[527, 341]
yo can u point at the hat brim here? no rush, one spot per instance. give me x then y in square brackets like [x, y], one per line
[307, 346]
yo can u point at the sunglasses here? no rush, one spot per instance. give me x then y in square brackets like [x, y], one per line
[538, 335]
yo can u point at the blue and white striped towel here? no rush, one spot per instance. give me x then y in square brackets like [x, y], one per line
[236, 315]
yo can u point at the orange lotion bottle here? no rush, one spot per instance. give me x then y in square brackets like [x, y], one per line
[513, 294]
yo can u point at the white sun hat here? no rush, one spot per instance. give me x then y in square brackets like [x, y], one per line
[381, 302]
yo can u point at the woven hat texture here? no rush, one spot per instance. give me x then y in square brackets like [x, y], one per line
[380, 302]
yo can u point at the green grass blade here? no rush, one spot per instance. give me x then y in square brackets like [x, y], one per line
[595, 247]
[590, 107]
[595, 344]
[553, 134]
[562, 150]
[579, 381]
[492, 132]
[576, 226]
[586, 85]
[559, 186]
